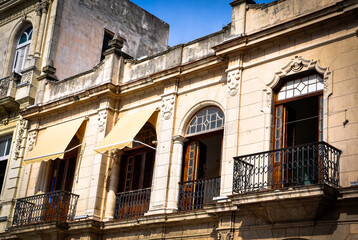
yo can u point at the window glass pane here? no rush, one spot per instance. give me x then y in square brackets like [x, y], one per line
[8, 146]
[23, 38]
[281, 96]
[277, 144]
[278, 123]
[278, 112]
[2, 147]
[289, 93]
[312, 88]
[190, 162]
[278, 133]
[312, 79]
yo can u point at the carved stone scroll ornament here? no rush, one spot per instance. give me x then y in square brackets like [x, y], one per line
[167, 106]
[32, 140]
[233, 82]
[102, 117]
[19, 137]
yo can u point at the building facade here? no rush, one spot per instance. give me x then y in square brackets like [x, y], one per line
[247, 133]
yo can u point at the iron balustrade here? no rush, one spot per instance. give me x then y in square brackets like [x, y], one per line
[286, 167]
[54, 206]
[194, 194]
[132, 204]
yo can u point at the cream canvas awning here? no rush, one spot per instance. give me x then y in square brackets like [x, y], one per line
[123, 133]
[52, 143]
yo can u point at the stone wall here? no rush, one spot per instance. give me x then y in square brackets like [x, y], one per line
[81, 30]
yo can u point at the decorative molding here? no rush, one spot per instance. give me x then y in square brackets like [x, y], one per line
[225, 235]
[32, 140]
[19, 14]
[4, 86]
[233, 81]
[167, 106]
[267, 98]
[42, 7]
[299, 64]
[19, 137]
[102, 117]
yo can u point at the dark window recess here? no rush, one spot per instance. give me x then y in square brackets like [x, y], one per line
[137, 170]
[2, 172]
[106, 38]
[63, 170]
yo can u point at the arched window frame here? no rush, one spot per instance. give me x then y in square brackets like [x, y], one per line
[295, 67]
[22, 50]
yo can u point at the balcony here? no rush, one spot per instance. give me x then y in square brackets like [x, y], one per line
[7, 93]
[195, 194]
[132, 204]
[290, 184]
[315, 163]
[53, 206]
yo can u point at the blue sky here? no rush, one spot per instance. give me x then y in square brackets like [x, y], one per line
[190, 19]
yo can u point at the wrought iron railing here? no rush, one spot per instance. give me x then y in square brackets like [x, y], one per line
[132, 204]
[194, 194]
[294, 166]
[53, 206]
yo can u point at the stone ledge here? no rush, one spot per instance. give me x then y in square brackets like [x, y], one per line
[288, 204]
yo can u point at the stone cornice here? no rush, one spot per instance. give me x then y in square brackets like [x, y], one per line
[69, 100]
[170, 73]
[6, 5]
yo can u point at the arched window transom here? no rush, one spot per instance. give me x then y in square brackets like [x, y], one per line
[146, 135]
[207, 119]
[301, 86]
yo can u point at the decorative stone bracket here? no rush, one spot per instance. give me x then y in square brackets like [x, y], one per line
[31, 140]
[233, 79]
[102, 117]
[168, 105]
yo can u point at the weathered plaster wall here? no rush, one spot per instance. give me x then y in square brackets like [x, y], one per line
[262, 16]
[82, 29]
[174, 57]
[334, 46]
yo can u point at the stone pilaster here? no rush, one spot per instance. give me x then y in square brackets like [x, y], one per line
[162, 166]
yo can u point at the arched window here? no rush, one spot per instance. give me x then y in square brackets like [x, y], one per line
[297, 121]
[22, 50]
[202, 159]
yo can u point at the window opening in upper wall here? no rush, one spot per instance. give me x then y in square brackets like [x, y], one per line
[22, 50]
[108, 36]
[5, 144]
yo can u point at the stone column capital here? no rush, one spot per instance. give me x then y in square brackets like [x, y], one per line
[179, 139]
